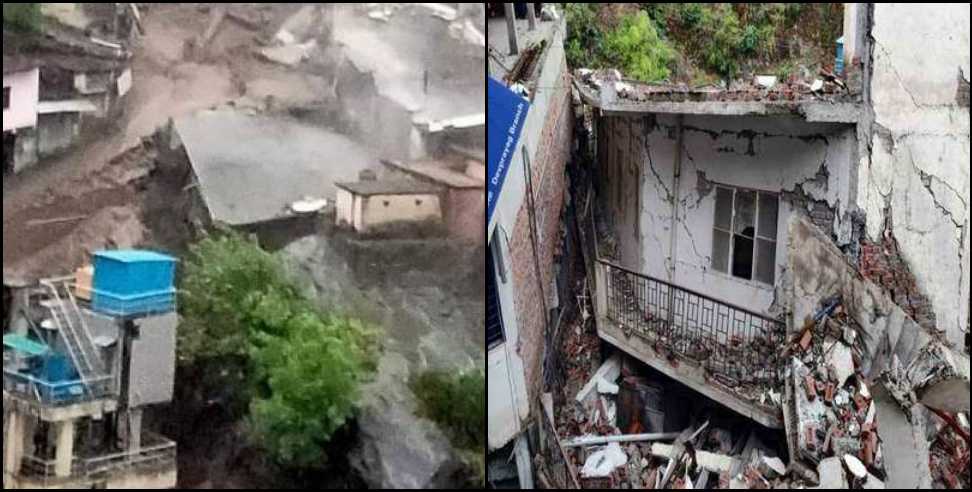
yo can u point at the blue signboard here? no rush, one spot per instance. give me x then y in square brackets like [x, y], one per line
[507, 113]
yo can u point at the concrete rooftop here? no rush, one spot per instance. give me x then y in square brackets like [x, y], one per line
[252, 168]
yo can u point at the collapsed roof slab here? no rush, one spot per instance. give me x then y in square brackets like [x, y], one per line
[934, 371]
[252, 168]
[812, 110]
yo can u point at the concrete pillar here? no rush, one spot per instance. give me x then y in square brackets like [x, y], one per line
[65, 449]
[532, 16]
[511, 27]
[13, 444]
[135, 431]
[855, 29]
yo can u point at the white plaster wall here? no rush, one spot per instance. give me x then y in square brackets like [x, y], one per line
[508, 403]
[23, 99]
[769, 154]
[345, 207]
[380, 210]
[919, 164]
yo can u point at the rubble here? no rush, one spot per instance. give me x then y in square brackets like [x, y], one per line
[841, 424]
[603, 462]
[949, 453]
[756, 89]
[608, 372]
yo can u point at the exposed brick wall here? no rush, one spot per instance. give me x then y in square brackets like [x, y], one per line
[882, 264]
[549, 162]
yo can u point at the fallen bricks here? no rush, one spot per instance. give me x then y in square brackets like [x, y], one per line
[899, 368]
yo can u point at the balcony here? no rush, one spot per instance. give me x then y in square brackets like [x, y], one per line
[55, 394]
[725, 352]
[157, 455]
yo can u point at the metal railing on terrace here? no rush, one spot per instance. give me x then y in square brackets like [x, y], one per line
[737, 347]
[56, 394]
[157, 453]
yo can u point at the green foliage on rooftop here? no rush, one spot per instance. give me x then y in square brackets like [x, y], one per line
[23, 17]
[457, 402]
[702, 41]
[637, 50]
[303, 368]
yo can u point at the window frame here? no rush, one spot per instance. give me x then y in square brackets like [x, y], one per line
[7, 94]
[758, 234]
[494, 281]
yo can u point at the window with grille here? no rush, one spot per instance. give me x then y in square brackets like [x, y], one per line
[744, 234]
[494, 317]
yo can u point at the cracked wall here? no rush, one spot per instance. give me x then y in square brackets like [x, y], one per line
[807, 164]
[915, 179]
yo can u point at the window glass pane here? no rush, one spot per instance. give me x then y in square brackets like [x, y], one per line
[766, 261]
[742, 257]
[720, 251]
[723, 209]
[745, 213]
[768, 212]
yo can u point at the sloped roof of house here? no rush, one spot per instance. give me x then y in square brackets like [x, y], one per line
[437, 173]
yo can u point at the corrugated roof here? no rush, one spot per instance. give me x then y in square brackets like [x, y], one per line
[135, 256]
[389, 187]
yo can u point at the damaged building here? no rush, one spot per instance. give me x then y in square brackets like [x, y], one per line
[70, 78]
[525, 199]
[767, 246]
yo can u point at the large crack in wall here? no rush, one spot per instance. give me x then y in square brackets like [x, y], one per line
[915, 162]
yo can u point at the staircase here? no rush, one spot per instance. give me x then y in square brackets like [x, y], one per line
[74, 331]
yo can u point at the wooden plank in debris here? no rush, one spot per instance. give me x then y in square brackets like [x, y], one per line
[598, 440]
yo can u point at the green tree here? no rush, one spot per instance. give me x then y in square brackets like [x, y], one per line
[24, 17]
[457, 402]
[313, 378]
[636, 48]
[302, 368]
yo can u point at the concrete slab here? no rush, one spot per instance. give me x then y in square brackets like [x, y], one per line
[246, 176]
[904, 444]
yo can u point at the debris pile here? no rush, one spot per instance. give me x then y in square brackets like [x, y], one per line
[761, 88]
[949, 457]
[836, 428]
[623, 431]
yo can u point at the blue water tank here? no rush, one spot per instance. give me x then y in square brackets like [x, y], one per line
[133, 283]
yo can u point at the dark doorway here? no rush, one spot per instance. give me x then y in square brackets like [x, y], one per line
[9, 141]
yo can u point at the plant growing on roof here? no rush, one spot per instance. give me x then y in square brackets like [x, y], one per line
[636, 48]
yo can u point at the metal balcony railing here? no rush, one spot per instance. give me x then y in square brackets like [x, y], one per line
[737, 347]
[159, 453]
[57, 394]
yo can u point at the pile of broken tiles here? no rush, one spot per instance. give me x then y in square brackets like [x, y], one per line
[836, 428]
